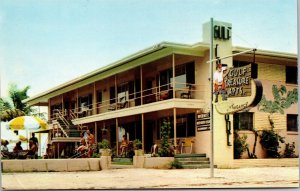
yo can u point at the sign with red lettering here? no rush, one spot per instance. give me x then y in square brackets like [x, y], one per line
[240, 90]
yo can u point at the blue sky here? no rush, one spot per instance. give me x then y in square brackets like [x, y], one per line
[46, 43]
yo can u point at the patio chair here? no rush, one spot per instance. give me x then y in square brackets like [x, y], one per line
[112, 107]
[187, 143]
[187, 95]
[154, 150]
[123, 103]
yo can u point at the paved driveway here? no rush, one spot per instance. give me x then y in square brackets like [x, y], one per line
[153, 178]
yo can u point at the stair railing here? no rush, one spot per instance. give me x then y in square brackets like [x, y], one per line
[55, 122]
[62, 118]
[72, 114]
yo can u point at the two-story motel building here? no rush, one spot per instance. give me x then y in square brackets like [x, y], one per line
[170, 81]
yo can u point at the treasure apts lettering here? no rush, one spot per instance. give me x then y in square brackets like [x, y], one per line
[237, 82]
[239, 91]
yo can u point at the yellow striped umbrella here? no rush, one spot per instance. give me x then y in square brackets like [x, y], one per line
[27, 123]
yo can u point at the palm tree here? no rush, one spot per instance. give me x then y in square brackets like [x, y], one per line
[13, 106]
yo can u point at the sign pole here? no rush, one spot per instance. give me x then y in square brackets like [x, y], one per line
[211, 98]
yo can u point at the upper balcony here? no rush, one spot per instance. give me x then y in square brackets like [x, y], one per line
[125, 104]
[151, 85]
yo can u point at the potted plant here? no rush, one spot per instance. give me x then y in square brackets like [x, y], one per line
[138, 147]
[104, 147]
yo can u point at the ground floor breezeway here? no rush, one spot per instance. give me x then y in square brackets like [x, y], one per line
[146, 128]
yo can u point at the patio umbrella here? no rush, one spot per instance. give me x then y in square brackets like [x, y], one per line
[26, 123]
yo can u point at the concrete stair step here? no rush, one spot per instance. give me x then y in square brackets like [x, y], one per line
[193, 159]
[115, 166]
[196, 166]
[189, 155]
[194, 162]
[121, 160]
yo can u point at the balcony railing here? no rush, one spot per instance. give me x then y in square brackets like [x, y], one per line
[147, 96]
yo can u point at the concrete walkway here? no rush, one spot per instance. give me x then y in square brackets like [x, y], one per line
[154, 178]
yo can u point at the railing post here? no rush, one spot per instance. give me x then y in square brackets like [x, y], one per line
[173, 66]
[117, 136]
[141, 74]
[94, 105]
[143, 131]
[175, 127]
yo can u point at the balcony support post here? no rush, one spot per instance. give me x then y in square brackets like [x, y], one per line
[77, 103]
[62, 105]
[116, 93]
[141, 74]
[117, 137]
[96, 132]
[173, 71]
[143, 131]
[94, 105]
[175, 127]
[49, 110]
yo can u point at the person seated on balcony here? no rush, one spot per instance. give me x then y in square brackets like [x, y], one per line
[124, 145]
[32, 153]
[91, 143]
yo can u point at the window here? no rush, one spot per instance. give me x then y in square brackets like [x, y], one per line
[291, 74]
[190, 72]
[123, 92]
[238, 63]
[243, 121]
[112, 95]
[165, 79]
[184, 73]
[292, 122]
[131, 89]
[185, 126]
[99, 96]
[86, 101]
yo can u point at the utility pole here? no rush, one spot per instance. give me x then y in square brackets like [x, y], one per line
[211, 97]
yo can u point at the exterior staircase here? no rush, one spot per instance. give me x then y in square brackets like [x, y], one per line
[69, 127]
[193, 161]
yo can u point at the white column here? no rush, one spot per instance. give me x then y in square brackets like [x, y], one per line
[175, 127]
[94, 105]
[141, 74]
[173, 70]
[143, 131]
[117, 136]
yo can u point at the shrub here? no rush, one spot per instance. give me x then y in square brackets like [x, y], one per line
[176, 164]
[270, 142]
[104, 144]
[95, 155]
[289, 151]
[240, 145]
[165, 133]
[137, 144]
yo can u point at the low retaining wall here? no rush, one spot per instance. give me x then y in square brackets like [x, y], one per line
[282, 162]
[51, 165]
[152, 162]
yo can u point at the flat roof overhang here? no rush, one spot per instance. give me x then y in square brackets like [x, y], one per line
[132, 61]
[151, 107]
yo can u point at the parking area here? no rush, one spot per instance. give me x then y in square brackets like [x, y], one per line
[270, 177]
